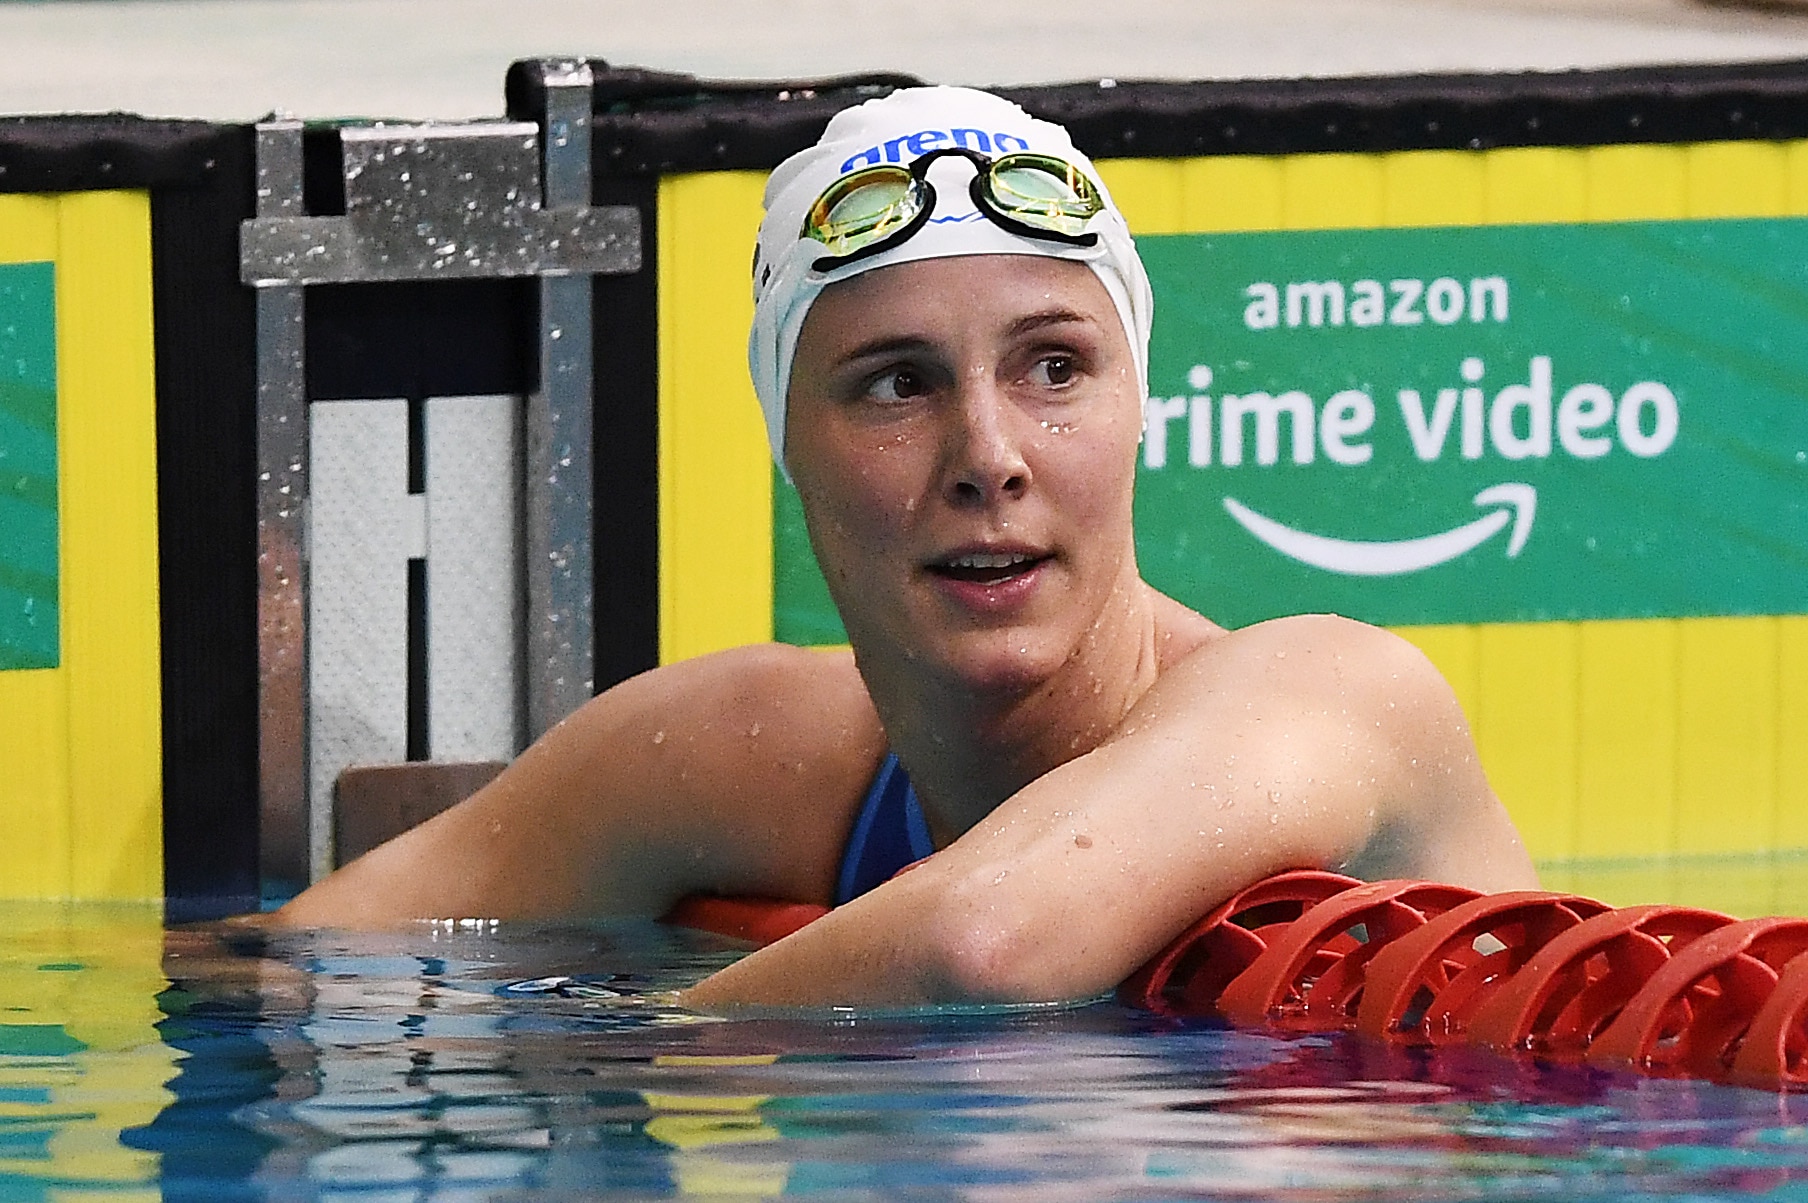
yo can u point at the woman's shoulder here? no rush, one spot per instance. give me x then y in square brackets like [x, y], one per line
[1319, 650]
[1359, 719]
[751, 710]
[1324, 687]
[769, 682]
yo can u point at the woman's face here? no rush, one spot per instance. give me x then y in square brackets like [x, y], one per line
[963, 433]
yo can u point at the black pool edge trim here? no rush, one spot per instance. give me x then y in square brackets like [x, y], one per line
[660, 123]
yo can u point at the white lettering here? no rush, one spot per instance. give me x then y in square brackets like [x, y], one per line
[1199, 433]
[1264, 309]
[1584, 408]
[1667, 419]
[1406, 302]
[1535, 400]
[1364, 303]
[1267, 411]
[1485, 293]
[1473, 416]
[1157, 413]
[1428, 436]
[1318, 299]
[1347, 414]
[1516, 422]
[1444, 301]
[1473, 370]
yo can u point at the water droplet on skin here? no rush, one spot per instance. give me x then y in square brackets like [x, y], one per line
[659, 737]
[753, 730]
[1280, 655]
[1002, 874]
[1274, 819]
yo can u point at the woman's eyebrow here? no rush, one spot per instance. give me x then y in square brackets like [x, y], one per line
[889, 345]
[1060, 316]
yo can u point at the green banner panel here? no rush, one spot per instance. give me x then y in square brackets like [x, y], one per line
[1492, 424]
[1467, 424]
[28, 467]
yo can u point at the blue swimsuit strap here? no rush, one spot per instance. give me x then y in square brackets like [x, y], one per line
[888, 834]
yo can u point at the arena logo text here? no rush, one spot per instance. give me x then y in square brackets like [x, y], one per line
[917, 145]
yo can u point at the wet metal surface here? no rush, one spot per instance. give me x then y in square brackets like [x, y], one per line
[478, 200]
[282, 488]
[561, 645]
[440, 203]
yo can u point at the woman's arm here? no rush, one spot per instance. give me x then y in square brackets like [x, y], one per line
[1301, 742]
[735, 773]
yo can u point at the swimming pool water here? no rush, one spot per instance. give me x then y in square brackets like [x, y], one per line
[203, 1064]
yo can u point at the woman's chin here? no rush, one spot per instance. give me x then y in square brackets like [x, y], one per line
[1000, 662]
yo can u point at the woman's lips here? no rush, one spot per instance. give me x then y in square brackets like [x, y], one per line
[989, 580]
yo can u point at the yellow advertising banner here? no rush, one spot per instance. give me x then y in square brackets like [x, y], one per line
[80, 719]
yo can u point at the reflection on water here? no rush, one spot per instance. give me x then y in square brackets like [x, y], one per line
[80, 1056]
[401, 1068]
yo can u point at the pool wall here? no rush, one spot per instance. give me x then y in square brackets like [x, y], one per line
[1632, 650]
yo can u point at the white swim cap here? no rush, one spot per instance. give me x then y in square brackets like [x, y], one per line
[901, 128]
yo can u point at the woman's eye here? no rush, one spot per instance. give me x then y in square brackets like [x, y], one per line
[898, 384]
[1055, 371]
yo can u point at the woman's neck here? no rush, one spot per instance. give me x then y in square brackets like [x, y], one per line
[968, 750]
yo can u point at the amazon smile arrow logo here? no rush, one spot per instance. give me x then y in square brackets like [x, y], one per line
[1517, 503]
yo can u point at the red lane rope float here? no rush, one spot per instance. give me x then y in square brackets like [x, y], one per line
[1310, 976]
[1688, 1019]
[1422, 987]
[1559, 1001]
[1775, 1049]
[760, 920]
[1662, 989]
[1189, 974]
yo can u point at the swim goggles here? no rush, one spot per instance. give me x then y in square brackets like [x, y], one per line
[876, 208]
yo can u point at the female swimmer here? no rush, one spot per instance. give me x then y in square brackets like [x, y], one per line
[950, 343]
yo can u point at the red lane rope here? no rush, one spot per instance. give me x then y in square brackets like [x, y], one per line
[1190, 974]
[1661, 989]
[1311, 975]
[1423, 987]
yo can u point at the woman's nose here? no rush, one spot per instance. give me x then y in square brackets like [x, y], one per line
[987, 462]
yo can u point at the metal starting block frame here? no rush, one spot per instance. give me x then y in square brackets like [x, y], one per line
[490, 199]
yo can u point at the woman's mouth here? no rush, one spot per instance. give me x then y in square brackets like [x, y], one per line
[988, 570]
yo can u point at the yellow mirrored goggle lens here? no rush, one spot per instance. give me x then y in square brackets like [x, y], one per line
[863, 208]
[1043, 191]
